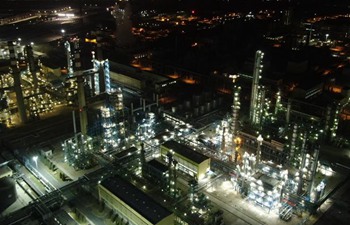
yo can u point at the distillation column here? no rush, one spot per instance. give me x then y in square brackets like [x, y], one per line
[302, 166]
[17, 83]
[234, 123]
[31, 62]
[81, 91]
[314, 166]
[293, 144]
[102, 80]
[101, 72]
[69, 59]
[255, 86]
[278, 105]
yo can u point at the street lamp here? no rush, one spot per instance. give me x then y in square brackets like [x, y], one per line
[35, 159]
[327, 35]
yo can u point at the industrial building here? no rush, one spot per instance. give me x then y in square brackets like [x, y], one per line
[189, 161]
[8, 193]
[132, 204]
[156, 171]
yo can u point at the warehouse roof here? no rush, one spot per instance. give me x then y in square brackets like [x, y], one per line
[185, 151]
[158, 165]
[136, 199]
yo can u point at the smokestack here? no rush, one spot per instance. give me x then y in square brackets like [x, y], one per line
[293, 143]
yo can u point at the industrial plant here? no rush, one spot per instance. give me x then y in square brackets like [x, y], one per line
[90, 140]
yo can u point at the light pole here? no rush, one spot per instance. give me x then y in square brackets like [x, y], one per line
[258, 152]
[63, 31]
[35, 159]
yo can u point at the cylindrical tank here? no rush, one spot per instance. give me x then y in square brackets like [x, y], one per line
[8, 193]
[196, 100]
[187, 104]
[215, 103]
[196, 111]
[207, 106]
[220, 101]
[201, 110]
[188, 115]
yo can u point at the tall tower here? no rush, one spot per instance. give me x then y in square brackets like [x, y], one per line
[110, 134]
[255, 86]
[235, 110]
[302, 165]
[31, 62]
[69, 58]
[17, 83]
[278, 104]
[122, 13]
[102, 80]
[81, 83]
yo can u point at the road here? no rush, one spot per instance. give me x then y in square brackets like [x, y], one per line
[241, 217]
[43, 172]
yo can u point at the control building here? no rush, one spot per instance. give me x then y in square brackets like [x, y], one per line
[156, 172]
[189, 161]
[132, 204]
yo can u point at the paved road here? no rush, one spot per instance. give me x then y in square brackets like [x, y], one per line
[235, 211]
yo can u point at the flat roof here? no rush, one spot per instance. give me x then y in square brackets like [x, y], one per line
[158, 165]
[136, 73]
[185, 151]
[136, 199]
[126, 152]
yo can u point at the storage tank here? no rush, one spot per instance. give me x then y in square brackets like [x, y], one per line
[8, 193]
[187, 104]
[195, 111]
[201, 110]
[196, 100]
[173, 109]
[220, 101]
[207, 106]
[215, 104]
[188, 115]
